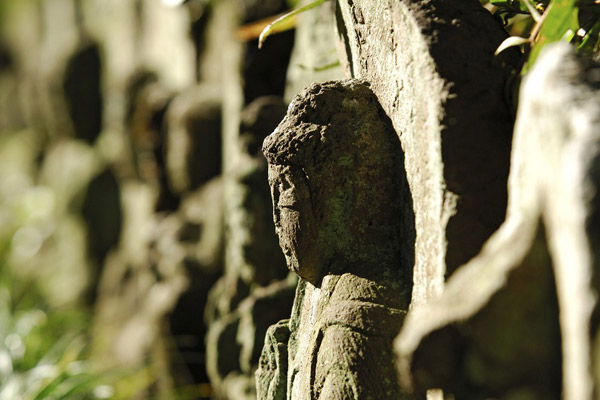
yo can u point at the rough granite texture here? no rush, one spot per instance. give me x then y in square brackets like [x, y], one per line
[431, 65]
[343, 215]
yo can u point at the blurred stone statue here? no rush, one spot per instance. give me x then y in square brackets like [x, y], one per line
[343, 215]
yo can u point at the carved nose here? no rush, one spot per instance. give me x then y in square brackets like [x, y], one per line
[287, 199]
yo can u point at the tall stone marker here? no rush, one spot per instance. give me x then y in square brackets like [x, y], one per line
[343, 215]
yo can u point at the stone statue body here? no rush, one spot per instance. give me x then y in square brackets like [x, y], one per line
[341, 207]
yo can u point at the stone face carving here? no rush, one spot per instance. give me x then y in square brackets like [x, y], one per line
[341, 207]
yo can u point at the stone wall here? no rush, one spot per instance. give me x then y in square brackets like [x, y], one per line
[140, 194]
[493, 312]
[133, 183]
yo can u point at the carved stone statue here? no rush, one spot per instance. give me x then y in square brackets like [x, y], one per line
[343, 215]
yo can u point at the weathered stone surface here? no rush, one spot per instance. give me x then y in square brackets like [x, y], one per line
[235, 340]
[222, 351]
[193, 150]
[258, 119]
[84, 86]
[147, 102]
[11, 116]
[252, 253]
[101, 210]
[253, 246]
[257, 313]
[164, 44]
[494, 331]
[343, 216]
[431, 65]
[81, 85]
[271, 375]
[200, 234]
[340, 213]
[252, 249]
[254, 289]
[203, 231]
[141, 281]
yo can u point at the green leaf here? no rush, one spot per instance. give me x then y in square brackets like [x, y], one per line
[560, 23]
[283, 22]
[591, 40]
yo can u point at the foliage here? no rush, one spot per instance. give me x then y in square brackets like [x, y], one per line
[546, 21]
[286, 21]
[536, 23]
[42, 350]
[44, 338]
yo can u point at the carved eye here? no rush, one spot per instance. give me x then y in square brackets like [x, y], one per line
[287, 196]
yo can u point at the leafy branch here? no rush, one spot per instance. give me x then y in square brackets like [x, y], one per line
[575, 21]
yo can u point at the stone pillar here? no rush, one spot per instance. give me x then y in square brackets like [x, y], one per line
[496, 330]
[344, 218]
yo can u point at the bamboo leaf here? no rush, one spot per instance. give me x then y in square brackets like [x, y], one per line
[591, 39]
[281, 22]
[559, 24]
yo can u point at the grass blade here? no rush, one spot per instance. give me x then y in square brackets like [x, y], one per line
[284, 19]
[560, 20]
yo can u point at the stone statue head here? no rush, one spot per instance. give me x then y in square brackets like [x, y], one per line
[336, 177]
